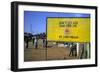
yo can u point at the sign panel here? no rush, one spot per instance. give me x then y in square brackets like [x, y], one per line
[68, 29]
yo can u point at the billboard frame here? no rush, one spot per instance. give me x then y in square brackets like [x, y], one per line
[14, 35]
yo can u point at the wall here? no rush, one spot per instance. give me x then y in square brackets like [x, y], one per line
[5, 21]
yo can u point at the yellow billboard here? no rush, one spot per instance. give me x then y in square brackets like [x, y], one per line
[68, 29]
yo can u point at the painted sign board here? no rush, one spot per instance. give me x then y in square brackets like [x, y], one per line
[68, 29]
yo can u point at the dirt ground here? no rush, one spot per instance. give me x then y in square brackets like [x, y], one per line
[52, 52]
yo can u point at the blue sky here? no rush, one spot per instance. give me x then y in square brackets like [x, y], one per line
[35, 22]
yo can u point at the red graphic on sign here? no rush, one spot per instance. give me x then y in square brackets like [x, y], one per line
[66, 31]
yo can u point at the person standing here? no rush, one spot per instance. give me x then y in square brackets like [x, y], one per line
[44, 42]
[36, 43]
[27, 42]
[73, 50]
[33, 40]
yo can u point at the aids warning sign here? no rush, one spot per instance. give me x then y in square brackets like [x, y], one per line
[68, 29]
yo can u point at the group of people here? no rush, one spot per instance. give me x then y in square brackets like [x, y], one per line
[73, 49]
[35, 42]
